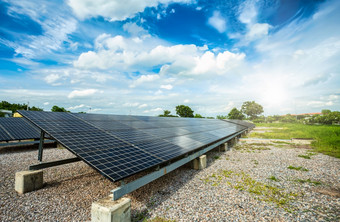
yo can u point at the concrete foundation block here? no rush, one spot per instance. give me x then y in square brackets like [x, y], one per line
[27, 181]
[108, 210]
[224, 147]
[200, 162]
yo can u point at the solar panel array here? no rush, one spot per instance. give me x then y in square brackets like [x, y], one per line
[241, 122]
[17, 129]
[120, 146]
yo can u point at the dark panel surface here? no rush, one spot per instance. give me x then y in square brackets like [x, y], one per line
[17, 129]
[119, 146]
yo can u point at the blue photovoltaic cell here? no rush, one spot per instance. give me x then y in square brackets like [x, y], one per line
[119, 146]
[17, 129]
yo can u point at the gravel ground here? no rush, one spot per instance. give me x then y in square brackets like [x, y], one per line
[233, 187]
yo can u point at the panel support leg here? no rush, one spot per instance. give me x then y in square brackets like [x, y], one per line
[41, 145]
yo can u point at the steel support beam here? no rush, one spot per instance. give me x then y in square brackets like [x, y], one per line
[53, 163]
[41, 145]
[134, 185]
[25, 143]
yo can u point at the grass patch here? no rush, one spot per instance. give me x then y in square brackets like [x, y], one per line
[327, 138]
[216, 157]
[309, 181]
[264, 192]
[300, 168]
[158, 219]
[304, 156]
[273, 178]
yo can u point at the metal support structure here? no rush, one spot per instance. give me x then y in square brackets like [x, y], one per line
[41, 145]
[134, 185]
[24, 143]
[53, 163]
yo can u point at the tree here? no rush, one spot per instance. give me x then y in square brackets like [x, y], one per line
[326, 111]
[167, 114]
[184, 111]
[58, 109]
[251, 109]
[198, 116]
[235, 114]
[221, 117]
[16, 106]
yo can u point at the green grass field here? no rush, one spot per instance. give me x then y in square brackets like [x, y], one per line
[327, 138]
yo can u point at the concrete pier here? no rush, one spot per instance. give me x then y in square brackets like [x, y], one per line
[27, 181]
[108, 210]
[200, 162]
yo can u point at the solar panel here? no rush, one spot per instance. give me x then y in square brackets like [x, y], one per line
[17, 129]
[119, 146]
[241, 122]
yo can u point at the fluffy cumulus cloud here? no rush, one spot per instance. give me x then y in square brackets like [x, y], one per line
[114, 10]
[218, 22]
[126, 54]
[82, 93]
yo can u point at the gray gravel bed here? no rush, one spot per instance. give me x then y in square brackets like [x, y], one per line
[184, 194]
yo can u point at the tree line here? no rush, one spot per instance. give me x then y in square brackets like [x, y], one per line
[249, 110]
[14, 107]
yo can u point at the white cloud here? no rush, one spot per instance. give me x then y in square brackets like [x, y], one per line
[319, 103]
[142, 106]
[52, 78]
[258, 30]
[114, 10]
[218, 22]
[168, 87]
[124, 54]
[76, 107]
[155, 110]
[55, 23]
[229, 106]
[130, 104]
[248, 12]
[134, 29]
[143, 79]
[186, 101]
[82, 93]
[46, 103]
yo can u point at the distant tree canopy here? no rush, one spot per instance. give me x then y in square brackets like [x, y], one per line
[184, 111]
[221, 117]
[16, 106]
[166, 113]
[251, 109]
[326, 111]
[198, 116]
[235, 114]
[58, 109]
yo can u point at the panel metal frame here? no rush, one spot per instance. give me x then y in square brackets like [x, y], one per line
[134, 185]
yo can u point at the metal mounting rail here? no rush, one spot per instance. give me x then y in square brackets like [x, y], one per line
[134, 185]
[53, 163]
[25, 143]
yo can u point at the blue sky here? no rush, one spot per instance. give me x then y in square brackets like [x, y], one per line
[141, 57]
